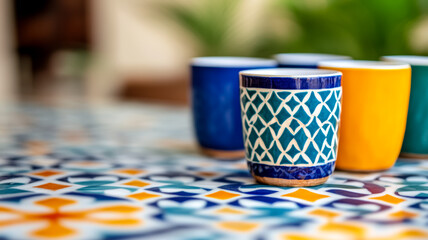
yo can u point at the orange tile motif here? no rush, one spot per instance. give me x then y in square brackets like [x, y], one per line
[306, 195]
[55, 202]
[55, 217]
[207, 174]
[296, 236]
[389, 199]
[343, 230]
[143, 196]
[324, 213]
[52, 186]
[46, 173]
[129, 171]
[403, 215]
[37, 148]
[136, 183]
[222, 195]
[227, 210]
[238, 226]
[351, 230]
[348, 228]
[408, 234]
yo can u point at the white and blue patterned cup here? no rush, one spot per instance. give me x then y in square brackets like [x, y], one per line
[290, 123]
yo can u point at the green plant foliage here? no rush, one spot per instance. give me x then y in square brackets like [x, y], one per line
[364, 29]
[210, 23]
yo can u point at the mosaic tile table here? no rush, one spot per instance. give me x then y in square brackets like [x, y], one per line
[132, 172]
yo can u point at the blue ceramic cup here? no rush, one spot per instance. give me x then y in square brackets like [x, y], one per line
[305, 60]
[290, 120]
[215, 102]
[415, 143]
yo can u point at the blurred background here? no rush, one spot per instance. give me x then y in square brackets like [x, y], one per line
[139, 50]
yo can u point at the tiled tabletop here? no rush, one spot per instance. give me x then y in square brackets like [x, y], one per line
[133, 172]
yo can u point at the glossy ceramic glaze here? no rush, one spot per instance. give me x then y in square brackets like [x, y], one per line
[375, 102]
[305, 60]
[415, 142]
[215, 102]
[290, 119]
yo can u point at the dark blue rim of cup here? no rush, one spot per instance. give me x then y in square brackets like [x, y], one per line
[306, 59]
[232, 62]
[413, 60]
[290, 78]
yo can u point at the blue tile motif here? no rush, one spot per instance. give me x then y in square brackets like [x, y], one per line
[304, 125]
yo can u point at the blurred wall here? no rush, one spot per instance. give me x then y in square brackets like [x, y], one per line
[136, 38]
[129, 40]
[7, 54]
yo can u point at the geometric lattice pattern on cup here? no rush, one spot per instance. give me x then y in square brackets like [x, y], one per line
[291, 127]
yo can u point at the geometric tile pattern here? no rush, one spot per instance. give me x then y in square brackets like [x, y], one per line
[123, 176]
[291, 127]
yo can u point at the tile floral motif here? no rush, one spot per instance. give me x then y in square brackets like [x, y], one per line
[57, 214]
[126, 182]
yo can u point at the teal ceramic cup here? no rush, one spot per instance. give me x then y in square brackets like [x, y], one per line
[415, 143]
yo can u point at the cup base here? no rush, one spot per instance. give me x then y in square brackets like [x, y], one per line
[290, 182]
[414, 155]
[222, 154]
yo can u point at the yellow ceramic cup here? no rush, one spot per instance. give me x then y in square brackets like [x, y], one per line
[374, 111]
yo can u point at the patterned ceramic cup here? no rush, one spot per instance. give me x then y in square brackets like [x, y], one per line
[415, 142]
[305, 60]
[375, 103]
[215, 103]
[290, 119]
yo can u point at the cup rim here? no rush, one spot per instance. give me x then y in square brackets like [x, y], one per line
[416, 60]
[290, 73]
[363, 64]
[232, 62]
[307, 59]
